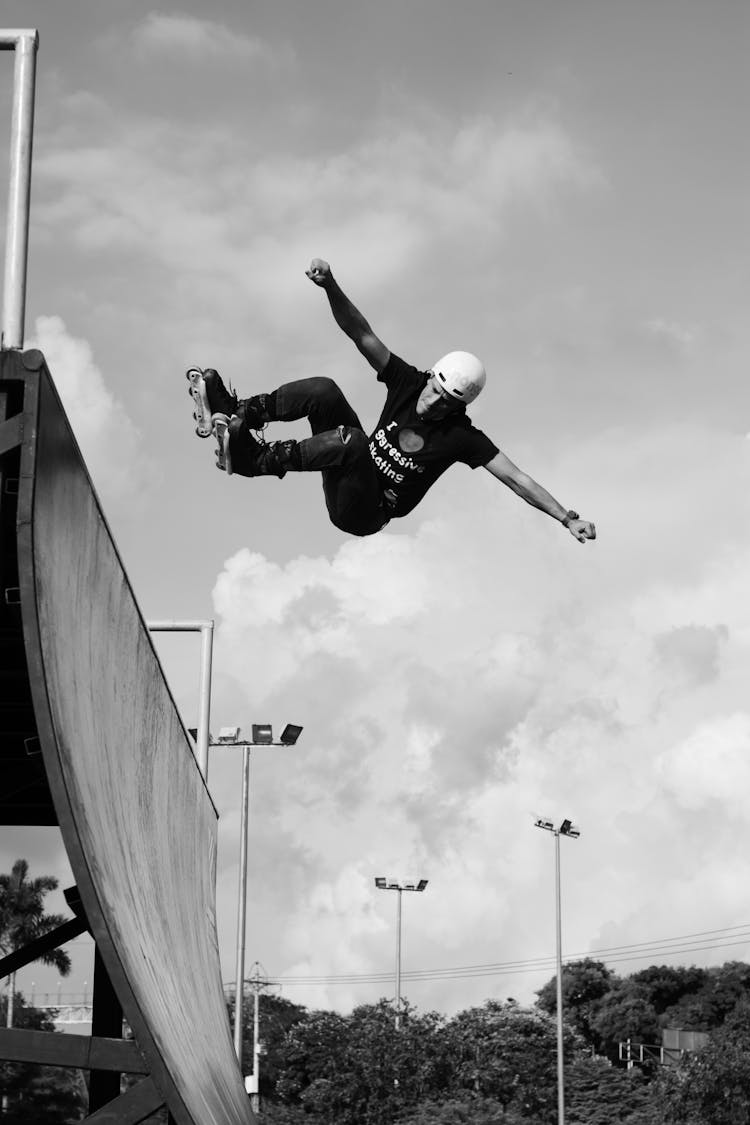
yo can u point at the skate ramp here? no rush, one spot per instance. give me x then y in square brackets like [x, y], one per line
[119, 774]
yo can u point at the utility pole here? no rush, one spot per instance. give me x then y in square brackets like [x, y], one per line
[258, 981]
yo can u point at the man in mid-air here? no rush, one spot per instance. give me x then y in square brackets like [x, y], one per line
[367, 481]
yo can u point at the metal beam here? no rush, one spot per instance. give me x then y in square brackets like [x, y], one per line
[36, 949]
[84, 1052]
[11, 433]
[133, 1106]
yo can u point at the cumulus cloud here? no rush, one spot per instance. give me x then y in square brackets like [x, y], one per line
[442, 715]
[138, 192]
[711, 765]
[679, 337]
[109, 440]
[200, 39]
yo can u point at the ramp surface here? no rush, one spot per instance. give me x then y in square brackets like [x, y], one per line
[119, 772]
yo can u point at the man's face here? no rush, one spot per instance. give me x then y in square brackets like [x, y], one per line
[435, 403]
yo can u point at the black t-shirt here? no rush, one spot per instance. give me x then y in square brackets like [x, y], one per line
[409, 453]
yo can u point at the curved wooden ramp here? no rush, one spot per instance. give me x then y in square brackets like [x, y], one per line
[119, 774]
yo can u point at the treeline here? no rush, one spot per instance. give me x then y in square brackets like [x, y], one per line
[495, 1064]
[490, 1065]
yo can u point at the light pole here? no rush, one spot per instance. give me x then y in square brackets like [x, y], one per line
[565, 829]
[262, 736]
[391, 884]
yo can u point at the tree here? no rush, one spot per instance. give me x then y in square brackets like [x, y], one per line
[712, 1086]
[597, 1093]
[464, 1110]
[276, 1017]
[666, 985]
[508, 1053]
[624, 1014]
[22, 919]
[583, 984]
[723, 988]
[45, 1095]
[360, 1069]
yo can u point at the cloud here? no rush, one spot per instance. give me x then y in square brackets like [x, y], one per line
[240, 232]
[188, 36]
[443, 712]
[681, 338]
[110, 442]
[711, 765]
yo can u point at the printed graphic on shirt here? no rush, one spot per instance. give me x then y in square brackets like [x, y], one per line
[410, 441]
[392, 463]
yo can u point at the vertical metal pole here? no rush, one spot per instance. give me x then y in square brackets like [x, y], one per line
[204, 702]
[398, 959]
[558, 913]
[19, 191]
[255, 1100]
[206, 630]
[242, 907]
[9, 1023]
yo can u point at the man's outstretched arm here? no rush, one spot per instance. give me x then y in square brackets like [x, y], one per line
[348, 317]
[522, 484]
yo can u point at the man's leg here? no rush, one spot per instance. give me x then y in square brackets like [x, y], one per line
[320, 400]
[338, 449]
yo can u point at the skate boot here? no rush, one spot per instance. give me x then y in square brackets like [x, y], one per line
[239, 452]
[210, 397]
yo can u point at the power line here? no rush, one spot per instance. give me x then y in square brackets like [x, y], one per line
[695, 942]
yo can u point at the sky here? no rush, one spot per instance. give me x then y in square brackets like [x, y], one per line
[562, 189]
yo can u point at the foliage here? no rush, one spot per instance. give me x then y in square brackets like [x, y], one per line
[508, 1053]
[712, 1086]
[598, 1093]
[46, 1095]
[462, 1111]
[276, 1017]
[584, 983]
[724, 987]
[666, 985]
[360, 1068]
[22, 916]
[623, 1015]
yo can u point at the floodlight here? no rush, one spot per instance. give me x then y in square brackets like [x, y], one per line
[262, 734]
[228, 735]
[544, 822]
[290, 734]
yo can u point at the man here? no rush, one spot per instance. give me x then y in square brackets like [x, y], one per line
[422, 430]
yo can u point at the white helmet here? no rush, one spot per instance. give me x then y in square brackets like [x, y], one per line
[461, 374]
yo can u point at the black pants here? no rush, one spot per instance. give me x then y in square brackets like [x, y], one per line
[340, 450]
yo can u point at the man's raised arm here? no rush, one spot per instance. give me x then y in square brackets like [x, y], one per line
[524, 486]
[348, 317]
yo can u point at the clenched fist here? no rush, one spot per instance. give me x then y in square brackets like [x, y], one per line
[319, 272]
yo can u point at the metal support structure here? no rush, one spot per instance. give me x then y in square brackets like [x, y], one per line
[206, 630]
[12, 962]
[558, 963]
[25, 44]
[566, 828]
[262, 736]
[106, 1023]
[398, 957]
[391, 884]
[239, 975]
